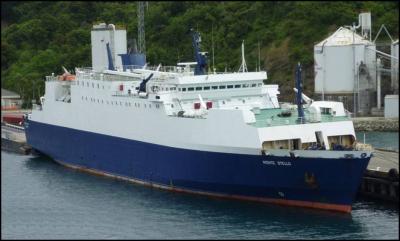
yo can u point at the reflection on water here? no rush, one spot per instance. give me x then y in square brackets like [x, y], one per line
[41, 199]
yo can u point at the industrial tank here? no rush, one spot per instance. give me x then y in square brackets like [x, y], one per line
[341, 60]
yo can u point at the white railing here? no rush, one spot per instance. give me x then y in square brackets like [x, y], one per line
[86, 70]
[59, 78]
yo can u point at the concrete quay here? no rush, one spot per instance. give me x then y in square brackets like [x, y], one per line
[13, 139]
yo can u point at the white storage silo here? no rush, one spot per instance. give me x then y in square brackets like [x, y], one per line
[345, 66]
[102, 34]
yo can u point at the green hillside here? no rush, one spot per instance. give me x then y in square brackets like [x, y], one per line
[37, 38]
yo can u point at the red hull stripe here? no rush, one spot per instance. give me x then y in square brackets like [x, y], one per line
[315, 205]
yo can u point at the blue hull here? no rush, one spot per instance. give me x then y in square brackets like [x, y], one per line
[220, 174]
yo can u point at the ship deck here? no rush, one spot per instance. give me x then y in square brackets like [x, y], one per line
[269, 117]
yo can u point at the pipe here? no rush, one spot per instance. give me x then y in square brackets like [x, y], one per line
[384, 54]
[378, 84]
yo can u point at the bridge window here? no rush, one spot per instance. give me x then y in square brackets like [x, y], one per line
[253, 85]
[326, 111]
[206, 87]
[183, 89]
[237, 86]
[230, 86]
[199, 88]
[221, 87]
[191, 89]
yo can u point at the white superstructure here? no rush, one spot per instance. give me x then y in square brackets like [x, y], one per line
[174, 107]
[232, 112]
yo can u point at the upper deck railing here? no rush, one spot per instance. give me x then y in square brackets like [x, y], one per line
[270, 117]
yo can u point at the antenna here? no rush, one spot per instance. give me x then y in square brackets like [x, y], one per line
[212, 43]
[243, 67]
[141, 34]
[259, 62]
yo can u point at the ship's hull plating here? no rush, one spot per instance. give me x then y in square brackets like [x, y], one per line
[309, 182]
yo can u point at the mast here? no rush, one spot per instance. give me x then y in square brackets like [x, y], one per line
[141, 34]
[243, 67]
[299, 87]
[212, 41]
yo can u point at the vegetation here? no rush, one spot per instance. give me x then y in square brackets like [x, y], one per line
[37, 38]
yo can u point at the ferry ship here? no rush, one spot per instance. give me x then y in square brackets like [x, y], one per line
[184, 129]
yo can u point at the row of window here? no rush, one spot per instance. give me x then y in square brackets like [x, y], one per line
[220, 87]
[197, 88]
[87, 84]
[127, 104]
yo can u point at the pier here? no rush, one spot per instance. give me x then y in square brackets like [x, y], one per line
[380, 181]
[13, 139]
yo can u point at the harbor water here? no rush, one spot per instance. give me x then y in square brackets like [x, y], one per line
[41, 199]
[385, 140]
